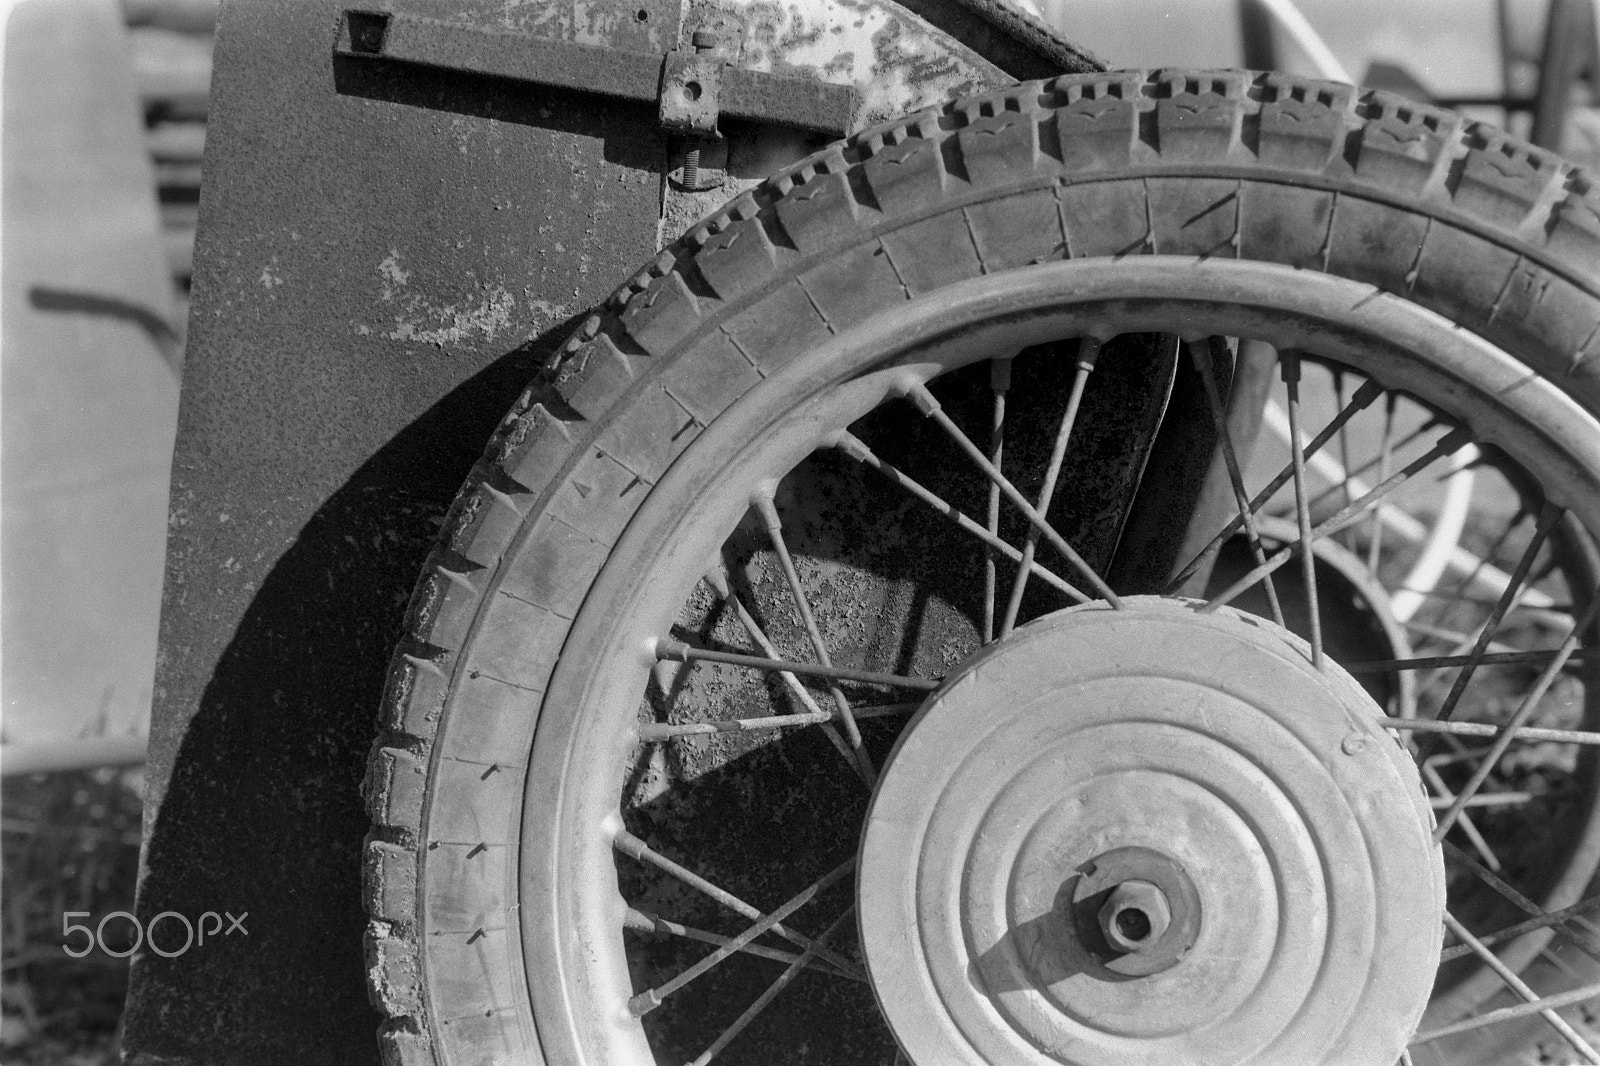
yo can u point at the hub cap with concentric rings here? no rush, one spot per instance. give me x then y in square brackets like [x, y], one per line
[1150, 835]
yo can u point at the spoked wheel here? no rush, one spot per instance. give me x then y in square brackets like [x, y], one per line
[887, 636]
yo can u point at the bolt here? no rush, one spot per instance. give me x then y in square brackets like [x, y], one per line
[1134, 916]
[701, 165]
[705, 42]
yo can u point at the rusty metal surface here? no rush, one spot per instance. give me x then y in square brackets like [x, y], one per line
[900, 56]
[896, 61]
[787, 100]
[1013, 40]
[585, 67]
[376, 279]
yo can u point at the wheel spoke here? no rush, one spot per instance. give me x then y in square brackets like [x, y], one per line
[633, 847]
[1338, 478]
[1523, 712]
[1459, 641]
[1542, 921]
[1446, 444]
[1508, 1014]
[769, 514]
[645, 922]
[1518, 900]
[1549, 514]
[656, 731]
[1444, 538]
[1460, 594]
[925, 402]
[1385, 442]
[857, 449]
[1308, 560]
[1489, 799]
[1363, 397]
[1534, 602]
[677, 651]
[771, 992]
[1492, 658]
[1087, 354]
[1468, 828]
[1484, 729]
[719, 584]
[1477, 569]
[999, 385]
[1441, 542]
[1344, 441]
[1517, 985]
[651, 998]
[1200, 352]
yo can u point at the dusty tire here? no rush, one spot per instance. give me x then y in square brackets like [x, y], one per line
[1456, 218]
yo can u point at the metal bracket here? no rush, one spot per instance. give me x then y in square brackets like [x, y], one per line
[692, 90]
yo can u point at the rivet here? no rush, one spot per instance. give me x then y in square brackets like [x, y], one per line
[1354, 744]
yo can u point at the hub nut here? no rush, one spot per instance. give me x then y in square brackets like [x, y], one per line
[1134, 916]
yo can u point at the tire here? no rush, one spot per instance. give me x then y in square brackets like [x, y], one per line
[1201, 171]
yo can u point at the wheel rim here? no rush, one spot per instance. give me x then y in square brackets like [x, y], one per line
[575, 918]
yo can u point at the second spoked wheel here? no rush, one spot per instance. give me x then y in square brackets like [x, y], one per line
[982, 598]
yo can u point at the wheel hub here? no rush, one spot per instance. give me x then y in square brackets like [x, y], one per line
[1150, 834]
[1135, 910]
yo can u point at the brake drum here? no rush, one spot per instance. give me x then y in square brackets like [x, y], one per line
[1150, 835]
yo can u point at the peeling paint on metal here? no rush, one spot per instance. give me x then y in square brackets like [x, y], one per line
[639, 25]
[896, 61]
[420, 321]
[454, 324]
[391, 273]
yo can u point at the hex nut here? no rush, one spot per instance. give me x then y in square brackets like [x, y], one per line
[1119, 917]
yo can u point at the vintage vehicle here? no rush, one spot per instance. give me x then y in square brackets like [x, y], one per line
[1094, 566]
